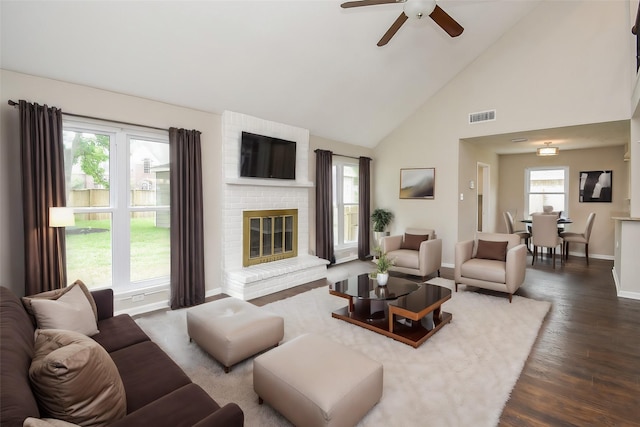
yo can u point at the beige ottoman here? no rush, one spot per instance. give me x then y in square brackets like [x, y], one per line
[231, 329]
[314, 381]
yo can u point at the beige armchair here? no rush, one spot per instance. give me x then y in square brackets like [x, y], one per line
[494, 261]
[418, 252]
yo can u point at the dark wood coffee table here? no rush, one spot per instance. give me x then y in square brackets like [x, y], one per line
[402, 310]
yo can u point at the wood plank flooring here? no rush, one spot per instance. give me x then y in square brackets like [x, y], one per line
[584, 369]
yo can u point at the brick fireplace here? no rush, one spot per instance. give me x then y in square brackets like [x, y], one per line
[250, 194]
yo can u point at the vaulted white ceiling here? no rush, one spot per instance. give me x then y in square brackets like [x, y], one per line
[307, 63]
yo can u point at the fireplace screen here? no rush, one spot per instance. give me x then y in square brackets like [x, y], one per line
[269, 235]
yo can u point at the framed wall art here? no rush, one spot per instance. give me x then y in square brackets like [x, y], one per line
[596, 186]
[417, 183]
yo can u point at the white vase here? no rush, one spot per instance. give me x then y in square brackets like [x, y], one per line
[382, 278]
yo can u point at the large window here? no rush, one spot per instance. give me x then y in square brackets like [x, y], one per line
[117, 182]
[345, 207]
[546, 186]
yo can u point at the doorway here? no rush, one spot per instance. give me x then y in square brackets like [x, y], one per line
[483, 196]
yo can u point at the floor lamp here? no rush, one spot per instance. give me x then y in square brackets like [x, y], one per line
[59, 218]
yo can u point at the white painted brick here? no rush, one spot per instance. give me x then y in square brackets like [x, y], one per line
[242, 197]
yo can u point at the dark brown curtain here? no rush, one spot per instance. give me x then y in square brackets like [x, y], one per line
[324, 206]
[187, 234]
[364, 212]
[42, 187]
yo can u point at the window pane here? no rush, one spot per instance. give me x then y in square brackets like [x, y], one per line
[350, 186]
[89, 249]
[547, 181]
[150, 245]
[351, 224]
[149, 173]
[537, 201]
[86, 160]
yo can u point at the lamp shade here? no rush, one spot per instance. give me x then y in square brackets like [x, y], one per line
[61, 217]
[416, 9]
[547, 150]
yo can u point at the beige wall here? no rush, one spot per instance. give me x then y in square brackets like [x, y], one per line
[89, 101]
[575, 69]
[512, 183]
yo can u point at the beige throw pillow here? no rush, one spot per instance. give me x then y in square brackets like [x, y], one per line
[46, 422]
[72, 311]
[57, 293]
[75, 379]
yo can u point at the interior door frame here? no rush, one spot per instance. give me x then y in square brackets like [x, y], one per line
[482, 179]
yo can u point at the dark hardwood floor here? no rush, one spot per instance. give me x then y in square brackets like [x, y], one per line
[584, 369]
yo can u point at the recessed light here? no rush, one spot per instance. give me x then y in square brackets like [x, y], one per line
[519, 140]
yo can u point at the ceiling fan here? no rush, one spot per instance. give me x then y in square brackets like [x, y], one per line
[415, 9]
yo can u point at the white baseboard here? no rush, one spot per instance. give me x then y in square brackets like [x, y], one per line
[212, 292]
[144, 309]
[623, 294]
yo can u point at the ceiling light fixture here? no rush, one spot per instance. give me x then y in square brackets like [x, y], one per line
[519, 140]
[416, 9]
[547, 150]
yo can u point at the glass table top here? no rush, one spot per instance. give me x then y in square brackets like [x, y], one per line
[364, 287]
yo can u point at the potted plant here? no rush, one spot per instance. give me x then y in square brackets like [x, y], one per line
[383, 266]
[381, 219]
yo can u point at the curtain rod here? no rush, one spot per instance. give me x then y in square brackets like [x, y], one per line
[15, 104]
[342, 155]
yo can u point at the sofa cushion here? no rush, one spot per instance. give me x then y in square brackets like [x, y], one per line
[16, 352]
[407, 258]
[57, 293]
[412, 241]
[118, 332]
[71, 311]
[147, 373]
[75, 380]
[485, 269]
[492, 250]
[182, 407]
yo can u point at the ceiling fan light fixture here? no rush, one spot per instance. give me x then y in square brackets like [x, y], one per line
[416, 9]
[547, 150]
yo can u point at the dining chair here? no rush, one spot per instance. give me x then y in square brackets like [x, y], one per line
[544, 234]
[524, 234]
[569, 237]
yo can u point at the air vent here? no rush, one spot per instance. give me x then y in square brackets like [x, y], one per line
[482, 116]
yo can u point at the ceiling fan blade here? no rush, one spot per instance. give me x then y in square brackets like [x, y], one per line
[446, 22]
[368, 3]
[393, 29]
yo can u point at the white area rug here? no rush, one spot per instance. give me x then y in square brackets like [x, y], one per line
[461, 376]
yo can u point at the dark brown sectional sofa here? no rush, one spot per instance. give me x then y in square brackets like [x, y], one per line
[158, 392]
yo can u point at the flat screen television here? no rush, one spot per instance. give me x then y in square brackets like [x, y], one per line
[267, 157]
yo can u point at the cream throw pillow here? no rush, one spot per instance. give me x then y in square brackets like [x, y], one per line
[46, 422]
[57, 293]
[75, 379]
[72, 311]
